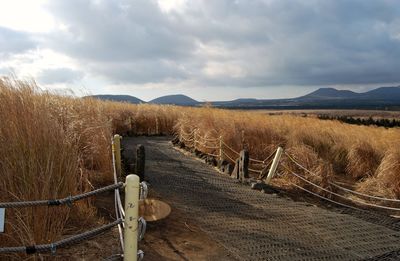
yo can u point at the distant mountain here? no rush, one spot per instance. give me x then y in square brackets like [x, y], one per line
[325, 98]
[178, 99]
[383, 93]
[329, 93]
[118, 98]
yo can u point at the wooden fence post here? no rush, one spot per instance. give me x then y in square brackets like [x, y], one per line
[242, 139]
[220, 149]
[132, 189]
[244, 165]
[274, 165]
[117, 153]
[195, 139]
[140, 161]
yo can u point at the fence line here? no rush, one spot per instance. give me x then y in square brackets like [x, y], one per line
[52, 247]
[119, 212]
[338, 186]
[362, 194]
[57, 202]
[334, 193]
[324, 198]
[197, 139]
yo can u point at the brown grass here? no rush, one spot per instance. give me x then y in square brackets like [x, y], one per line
[386, 181]
[332, 149]
[53, 146]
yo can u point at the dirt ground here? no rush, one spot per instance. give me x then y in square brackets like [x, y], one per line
[178, 238]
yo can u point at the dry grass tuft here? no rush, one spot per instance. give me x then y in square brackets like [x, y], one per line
[49, 145]
[362, 160]
[386, 182]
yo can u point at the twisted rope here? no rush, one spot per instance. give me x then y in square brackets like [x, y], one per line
[62, 243]
[231, 159]
[338, 195]
[362, 194]
[324, 198]
[263, 161]
[230, 148]
[255, 171]
[340, 187]
[57, 202]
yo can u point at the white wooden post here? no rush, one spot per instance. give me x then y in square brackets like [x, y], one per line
[132, 189]
[2, 219]
[274, 165]
[117, 153]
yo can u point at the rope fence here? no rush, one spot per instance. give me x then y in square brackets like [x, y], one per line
[132, 186]
[228, 152]
[58, 202]
[358, 202]
[52, 247]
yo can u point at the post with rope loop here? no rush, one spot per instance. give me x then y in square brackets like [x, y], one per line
[117, 152]
[195, 139]
[132, 190]
[274, 165]
[220, 149]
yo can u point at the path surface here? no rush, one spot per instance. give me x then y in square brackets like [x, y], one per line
[257, 226]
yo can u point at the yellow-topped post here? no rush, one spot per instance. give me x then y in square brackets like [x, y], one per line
[117, 153]
[132, 189]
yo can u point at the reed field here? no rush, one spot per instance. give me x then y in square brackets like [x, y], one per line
[54, 146]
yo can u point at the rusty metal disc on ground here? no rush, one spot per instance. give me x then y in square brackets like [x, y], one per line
[153, 209]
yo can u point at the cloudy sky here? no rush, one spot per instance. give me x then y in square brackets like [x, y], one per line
[209, 50]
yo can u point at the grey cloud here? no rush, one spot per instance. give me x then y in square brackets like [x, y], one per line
[142, 72]
[59, 75]
[12, 42]
[117, 31]
[274, 42]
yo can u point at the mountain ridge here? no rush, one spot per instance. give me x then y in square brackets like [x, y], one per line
[175, 99]
[117, 98]
[324, 98]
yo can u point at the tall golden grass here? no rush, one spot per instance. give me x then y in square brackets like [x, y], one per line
[366, 157]
[54, 146]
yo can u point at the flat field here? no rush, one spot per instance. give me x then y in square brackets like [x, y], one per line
[376, 114]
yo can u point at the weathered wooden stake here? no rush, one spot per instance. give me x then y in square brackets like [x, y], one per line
[244, 165]
[274, 165]
[236, 170]
[117, 153]
[195, 139]
[243, 140]
[220, 149]
[157, 127]
[140, 161]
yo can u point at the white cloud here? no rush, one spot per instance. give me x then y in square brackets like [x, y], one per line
[29, 16]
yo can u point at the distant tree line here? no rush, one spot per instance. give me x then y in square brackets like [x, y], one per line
[387, 123]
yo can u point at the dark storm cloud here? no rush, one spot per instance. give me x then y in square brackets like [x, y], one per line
[12, 42]
[118, 31]
[260, 43]
[59, 75]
